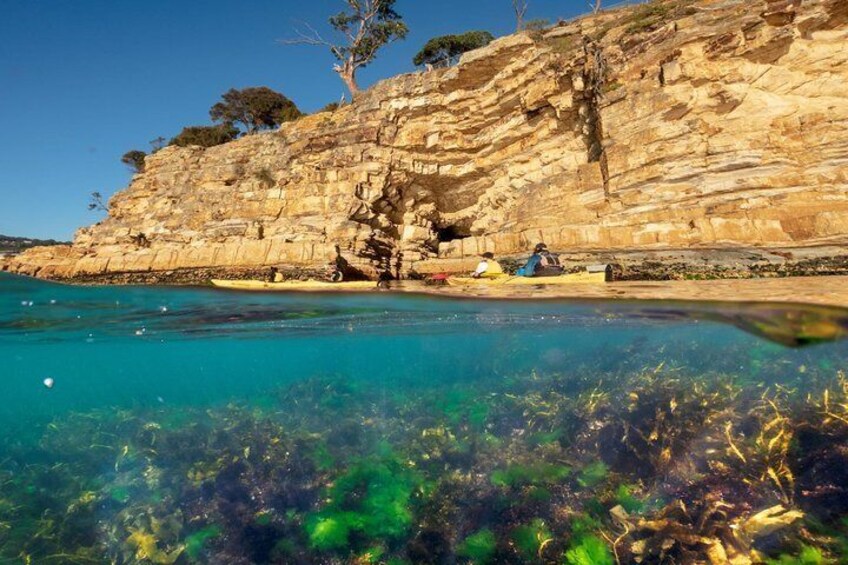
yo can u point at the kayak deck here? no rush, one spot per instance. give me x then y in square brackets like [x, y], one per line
[571, 278]
[292, 285]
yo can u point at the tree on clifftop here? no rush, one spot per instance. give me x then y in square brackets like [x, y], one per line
[134, 160]
[520, 9]
[255, 108]
[368, 26]
[206, 136]
[96, 203]
[444, 51]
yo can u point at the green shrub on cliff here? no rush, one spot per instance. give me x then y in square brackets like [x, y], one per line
[255, 108]
[205, 136]
[445, 50]
[134, 159]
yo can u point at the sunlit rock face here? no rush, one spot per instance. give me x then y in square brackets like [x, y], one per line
[674, 125]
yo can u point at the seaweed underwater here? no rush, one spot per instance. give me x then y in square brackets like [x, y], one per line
[634, 463]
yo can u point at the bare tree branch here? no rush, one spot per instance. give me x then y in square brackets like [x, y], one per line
[520, 8]
[311, 38]
[97, 203]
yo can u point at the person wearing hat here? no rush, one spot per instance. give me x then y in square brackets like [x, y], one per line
[488, 267]
[542, 263]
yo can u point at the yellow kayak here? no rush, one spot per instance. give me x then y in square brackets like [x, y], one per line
[293, 285]
[586, 277]
[571, 278]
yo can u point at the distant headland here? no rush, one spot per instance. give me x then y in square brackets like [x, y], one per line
[10, 245]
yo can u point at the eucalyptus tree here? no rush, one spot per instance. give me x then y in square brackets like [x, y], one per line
[363, 29]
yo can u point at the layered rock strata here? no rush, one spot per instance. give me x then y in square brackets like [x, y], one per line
[676, 125]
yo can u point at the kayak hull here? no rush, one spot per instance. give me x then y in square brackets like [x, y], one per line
[597, 278]
[263, 286]
[571, 278]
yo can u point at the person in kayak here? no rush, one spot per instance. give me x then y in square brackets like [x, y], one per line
[542, 263]
[383, 279]
[337, 268]
[275, 276]
[488, 267]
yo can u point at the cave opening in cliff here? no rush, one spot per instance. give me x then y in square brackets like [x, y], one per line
[452, 233]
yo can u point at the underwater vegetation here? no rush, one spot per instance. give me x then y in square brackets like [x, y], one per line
[370, 501]
[633, 463]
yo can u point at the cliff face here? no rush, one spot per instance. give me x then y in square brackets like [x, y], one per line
[672, 125]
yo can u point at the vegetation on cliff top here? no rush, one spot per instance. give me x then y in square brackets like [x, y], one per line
[254, 108]
[365, 28]
[134, 159]
[206, 136]
[445, 50]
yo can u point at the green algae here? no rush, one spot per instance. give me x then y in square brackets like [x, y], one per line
[120, 494]
[372, 498]
[195, 543]
[593, 474]
[807, 556]
[625, 498]
[530, 539]
[539, 494]
[534, 474]
[584, 523]
[589, 550]
[263, 518]
[460, 406]
[546, 438]
[480, 547]
[328, 532]
[324, 460]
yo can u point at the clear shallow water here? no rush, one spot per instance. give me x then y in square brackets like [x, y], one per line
[426, 411]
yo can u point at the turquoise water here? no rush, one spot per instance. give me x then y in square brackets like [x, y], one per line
[416, 429]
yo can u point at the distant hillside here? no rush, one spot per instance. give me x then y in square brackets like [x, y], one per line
[9, 244]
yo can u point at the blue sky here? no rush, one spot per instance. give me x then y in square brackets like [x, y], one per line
[83, 81]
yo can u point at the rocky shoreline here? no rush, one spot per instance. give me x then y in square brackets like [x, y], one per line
[664, 265]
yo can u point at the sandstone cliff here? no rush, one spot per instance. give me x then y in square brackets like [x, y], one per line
[678, 124]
